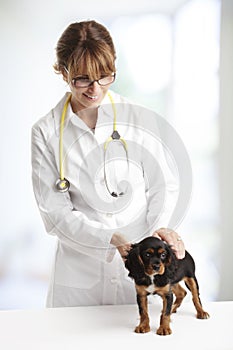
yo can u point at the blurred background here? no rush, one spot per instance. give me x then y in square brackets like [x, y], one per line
[174, 56]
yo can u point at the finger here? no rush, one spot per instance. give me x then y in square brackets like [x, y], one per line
[180, 255]
[164, 230]
[155, 234]
[179, 250]
[127, 248]
[124, 250]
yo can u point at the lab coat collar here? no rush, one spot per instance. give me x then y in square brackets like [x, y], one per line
[105, 113]
[57, 112]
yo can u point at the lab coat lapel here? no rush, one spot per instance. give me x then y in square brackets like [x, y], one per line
[104, 125]
[57, 112]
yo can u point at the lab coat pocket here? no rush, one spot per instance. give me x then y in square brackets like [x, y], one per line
[75, 270]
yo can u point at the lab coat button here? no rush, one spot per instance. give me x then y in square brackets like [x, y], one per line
[109, 215]
[113, 280]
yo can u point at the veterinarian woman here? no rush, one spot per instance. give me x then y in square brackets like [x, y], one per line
[92, 166]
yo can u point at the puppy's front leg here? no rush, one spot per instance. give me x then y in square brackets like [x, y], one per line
[164, 328]
[144, 325]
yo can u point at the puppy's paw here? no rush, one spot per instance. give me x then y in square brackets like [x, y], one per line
[174, 309]
[142, 328]
[164, 330]
[203, 315]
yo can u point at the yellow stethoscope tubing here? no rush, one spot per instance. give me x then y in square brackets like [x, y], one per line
[63, 116]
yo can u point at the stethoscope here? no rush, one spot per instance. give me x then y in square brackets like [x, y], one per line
[62, 184]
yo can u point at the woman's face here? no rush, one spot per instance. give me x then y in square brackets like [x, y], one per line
[87, 97]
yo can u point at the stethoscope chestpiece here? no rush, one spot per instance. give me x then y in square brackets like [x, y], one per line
[115, 135]
[114, 194]
[62, 185]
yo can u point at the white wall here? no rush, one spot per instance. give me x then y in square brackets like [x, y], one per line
[225, 152]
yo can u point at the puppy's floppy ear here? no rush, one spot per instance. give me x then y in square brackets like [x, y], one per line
[135, 264]
[133, 261]
[170, 262]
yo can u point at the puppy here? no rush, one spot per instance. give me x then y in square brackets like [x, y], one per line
[156, 270]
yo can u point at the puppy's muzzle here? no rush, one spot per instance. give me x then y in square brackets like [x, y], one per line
[156, 267]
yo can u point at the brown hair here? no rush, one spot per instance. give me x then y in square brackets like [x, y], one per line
[85, 48]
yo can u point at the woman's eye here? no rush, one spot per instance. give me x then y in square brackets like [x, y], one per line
[82, 79]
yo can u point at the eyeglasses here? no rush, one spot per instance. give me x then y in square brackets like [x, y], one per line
[84, 81]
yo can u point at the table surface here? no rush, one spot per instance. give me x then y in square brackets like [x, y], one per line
[107, 326]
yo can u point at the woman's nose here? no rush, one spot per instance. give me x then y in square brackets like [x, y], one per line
[94, 86]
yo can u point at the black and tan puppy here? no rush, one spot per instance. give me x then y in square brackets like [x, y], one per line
[156, 270]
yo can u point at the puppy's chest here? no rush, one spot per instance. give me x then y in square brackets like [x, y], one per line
[156, 285]
[152, 287]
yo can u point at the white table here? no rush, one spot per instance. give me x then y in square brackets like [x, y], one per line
[104, 327]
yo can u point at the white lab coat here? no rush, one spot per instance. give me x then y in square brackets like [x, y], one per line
[87, 269]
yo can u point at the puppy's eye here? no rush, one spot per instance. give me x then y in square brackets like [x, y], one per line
[163, 255]
[148, 255]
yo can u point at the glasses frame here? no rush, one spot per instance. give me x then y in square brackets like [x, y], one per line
[93, 81]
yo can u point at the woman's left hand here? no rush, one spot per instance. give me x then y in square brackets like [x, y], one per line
[173, 239]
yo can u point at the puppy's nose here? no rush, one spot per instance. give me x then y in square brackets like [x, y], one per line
[156, 266]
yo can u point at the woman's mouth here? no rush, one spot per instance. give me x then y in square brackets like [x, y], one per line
[91, 97]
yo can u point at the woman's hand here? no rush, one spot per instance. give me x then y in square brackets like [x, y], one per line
[121, 244]
[172, 238]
